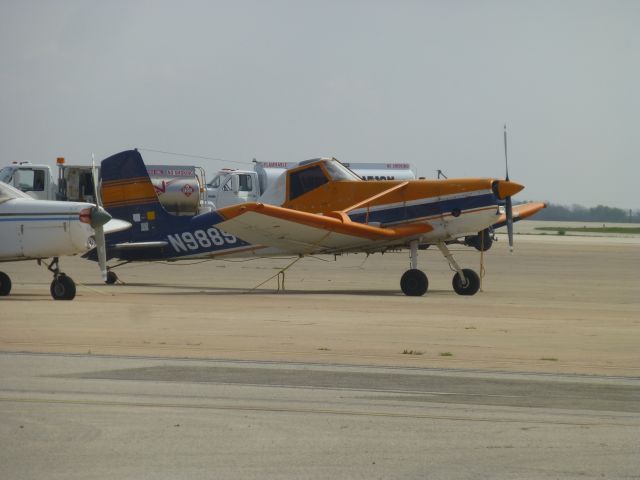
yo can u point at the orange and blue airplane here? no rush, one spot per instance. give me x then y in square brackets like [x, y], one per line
[319, 207]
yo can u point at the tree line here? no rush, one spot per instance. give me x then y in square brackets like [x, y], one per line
[578, 213]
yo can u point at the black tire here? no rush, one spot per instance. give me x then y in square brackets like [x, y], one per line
[481, 242]
[111, 278]
[472, 286]
[63, 288]
[5, 284]
[414, 283]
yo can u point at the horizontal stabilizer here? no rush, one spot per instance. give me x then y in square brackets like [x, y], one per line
[139, 245]
[116, 225]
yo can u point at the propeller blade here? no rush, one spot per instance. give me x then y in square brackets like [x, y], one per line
[102, 252]
[94, 174]
[509, 212]
[508, 205]
[99, 217]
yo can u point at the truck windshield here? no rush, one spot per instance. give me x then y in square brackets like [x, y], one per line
[215, 183]
[5, 174]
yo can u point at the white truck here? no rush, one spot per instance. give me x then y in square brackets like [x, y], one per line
[231, 186]
[75, 183]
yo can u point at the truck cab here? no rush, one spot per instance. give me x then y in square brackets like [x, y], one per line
[230, 187]
[34, 180]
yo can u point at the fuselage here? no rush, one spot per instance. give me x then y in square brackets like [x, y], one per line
[452, 207]
[31, 229]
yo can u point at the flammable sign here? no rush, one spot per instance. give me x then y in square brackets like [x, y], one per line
[187, 190]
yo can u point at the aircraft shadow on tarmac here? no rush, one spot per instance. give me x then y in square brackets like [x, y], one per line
[217, 290]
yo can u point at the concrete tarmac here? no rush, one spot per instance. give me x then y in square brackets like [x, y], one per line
[78, 416]
[187, 371]
[557, 305]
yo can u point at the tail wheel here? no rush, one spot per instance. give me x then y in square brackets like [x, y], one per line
[5, 284]
[414, 283]
[63, 288]
[472, 285]
[111, 278]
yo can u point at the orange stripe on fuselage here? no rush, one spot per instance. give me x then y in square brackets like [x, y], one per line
[128, 192]
[338, 195]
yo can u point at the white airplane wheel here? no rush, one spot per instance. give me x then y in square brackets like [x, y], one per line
[414, 283]
[5, 284]
[63, 288]
[471, 287]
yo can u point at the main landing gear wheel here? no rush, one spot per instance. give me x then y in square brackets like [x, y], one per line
[414, 283]
[5, 284]
[471, 286]
[111, 278]
[63, 288]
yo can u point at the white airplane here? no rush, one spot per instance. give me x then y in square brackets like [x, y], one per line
[40, 229]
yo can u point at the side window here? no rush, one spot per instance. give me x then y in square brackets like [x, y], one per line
[306, 180]
[246, 183]
[227, 185]
[38, 181]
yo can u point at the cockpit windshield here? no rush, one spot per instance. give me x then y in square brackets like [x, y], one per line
[7, 192]
[339, 172]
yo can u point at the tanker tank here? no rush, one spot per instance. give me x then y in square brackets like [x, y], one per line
[178, 187]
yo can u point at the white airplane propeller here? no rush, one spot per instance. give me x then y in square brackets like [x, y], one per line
[99, 216]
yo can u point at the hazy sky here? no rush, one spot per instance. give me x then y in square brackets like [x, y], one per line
[425, 82]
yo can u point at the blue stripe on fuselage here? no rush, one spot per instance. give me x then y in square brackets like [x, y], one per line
[425, 210]
[37, 219]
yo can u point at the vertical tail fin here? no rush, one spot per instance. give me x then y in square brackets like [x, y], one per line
[125, 181]
[128, 194]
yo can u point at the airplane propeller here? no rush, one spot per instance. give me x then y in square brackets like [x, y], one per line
[99, 216]
[508, 204]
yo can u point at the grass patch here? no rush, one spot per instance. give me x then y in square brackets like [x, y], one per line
[412, 352]
[629, 230]
[446, 354]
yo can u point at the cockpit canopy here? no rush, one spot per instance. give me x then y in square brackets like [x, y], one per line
[308, 176]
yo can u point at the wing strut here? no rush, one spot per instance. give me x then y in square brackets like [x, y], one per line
[374, 197]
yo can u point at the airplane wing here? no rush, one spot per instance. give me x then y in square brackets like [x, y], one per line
[306, 233]
[520, 212]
